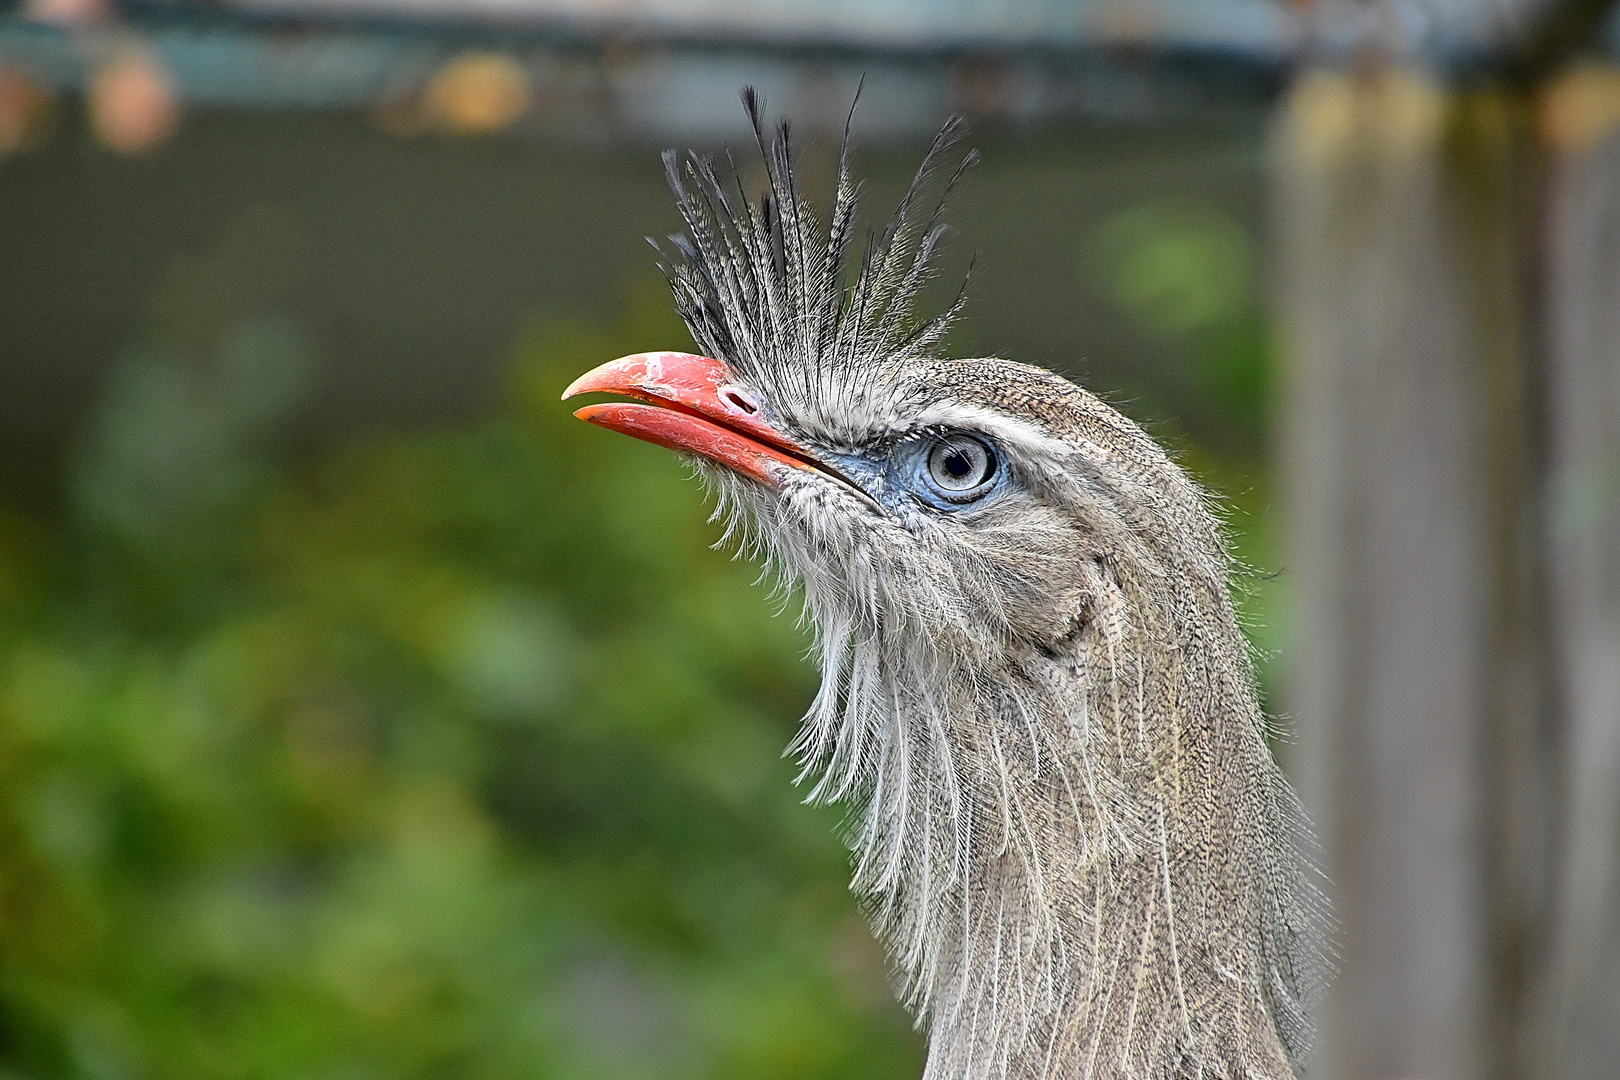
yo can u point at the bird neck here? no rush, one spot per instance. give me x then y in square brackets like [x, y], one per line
[1080, 866]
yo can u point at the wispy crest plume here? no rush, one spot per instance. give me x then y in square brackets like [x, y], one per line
[761, 283]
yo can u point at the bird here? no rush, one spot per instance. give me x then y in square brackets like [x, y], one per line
[1067, 826]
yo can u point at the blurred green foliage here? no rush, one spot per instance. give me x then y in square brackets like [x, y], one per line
[455, 756]
[1187, 275]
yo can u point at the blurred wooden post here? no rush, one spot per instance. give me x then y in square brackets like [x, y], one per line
[1581, 120]
[1405, 225]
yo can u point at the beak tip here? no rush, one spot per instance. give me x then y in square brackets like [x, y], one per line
[616, 376]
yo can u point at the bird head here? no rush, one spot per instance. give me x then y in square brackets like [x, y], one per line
[954, 503]
[1034, 685]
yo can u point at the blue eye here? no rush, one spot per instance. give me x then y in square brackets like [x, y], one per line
[960, 468]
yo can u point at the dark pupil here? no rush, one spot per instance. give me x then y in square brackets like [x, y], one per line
[957, 464]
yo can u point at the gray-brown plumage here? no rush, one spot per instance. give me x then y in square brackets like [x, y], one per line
[1069, 830]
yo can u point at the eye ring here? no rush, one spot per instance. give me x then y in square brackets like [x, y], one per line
[960, 468]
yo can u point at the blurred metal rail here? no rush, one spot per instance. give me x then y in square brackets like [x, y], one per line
[653, 78]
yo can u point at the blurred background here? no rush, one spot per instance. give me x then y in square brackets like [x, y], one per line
[363, 715]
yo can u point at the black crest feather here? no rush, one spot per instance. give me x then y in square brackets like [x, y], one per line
[761, 283]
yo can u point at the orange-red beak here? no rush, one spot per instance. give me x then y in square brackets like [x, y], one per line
[695, 409]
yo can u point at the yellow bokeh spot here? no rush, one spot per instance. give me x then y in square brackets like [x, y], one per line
[1581, 108]
[477, 93]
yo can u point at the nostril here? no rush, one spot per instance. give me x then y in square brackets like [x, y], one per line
[739, 400]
